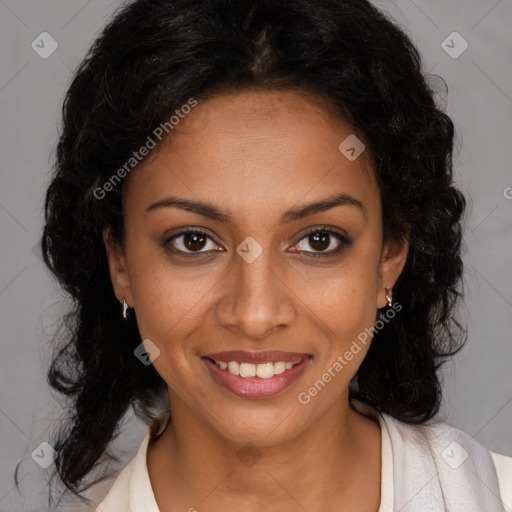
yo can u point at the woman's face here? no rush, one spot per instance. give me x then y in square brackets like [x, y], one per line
[266, 277]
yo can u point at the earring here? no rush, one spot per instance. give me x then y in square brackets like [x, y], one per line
[125, 309]
[389, 296]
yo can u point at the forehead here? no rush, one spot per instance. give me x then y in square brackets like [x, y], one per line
[266, 148]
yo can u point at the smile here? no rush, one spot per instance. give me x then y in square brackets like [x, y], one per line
[256, 374]
[262, 370]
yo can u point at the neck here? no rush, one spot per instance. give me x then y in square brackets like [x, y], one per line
[191, 463]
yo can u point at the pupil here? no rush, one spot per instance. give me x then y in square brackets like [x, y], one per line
[194, 241]
[319, 240]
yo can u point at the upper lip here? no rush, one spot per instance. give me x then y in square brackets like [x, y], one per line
[265, 356]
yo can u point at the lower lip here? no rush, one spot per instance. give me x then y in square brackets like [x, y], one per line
[255, 387]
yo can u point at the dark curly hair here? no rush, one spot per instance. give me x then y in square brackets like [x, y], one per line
[149, 60]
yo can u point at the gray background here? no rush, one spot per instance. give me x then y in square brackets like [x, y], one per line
[478, 382]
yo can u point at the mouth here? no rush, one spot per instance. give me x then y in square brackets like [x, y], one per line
[256, 374]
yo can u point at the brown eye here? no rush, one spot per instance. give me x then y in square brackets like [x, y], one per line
[190, 241]
[194, 241]
[320, 240]
[323, 242]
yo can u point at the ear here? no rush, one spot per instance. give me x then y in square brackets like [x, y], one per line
[394, 256]
[118, 268]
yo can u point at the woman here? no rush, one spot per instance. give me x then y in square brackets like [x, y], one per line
[253, 209]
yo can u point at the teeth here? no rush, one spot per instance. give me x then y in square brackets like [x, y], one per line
[279, 367]
[262, 370]
[265, 370]
[234, 368]
[247, 370]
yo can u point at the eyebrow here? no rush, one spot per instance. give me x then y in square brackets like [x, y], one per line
[212, 212]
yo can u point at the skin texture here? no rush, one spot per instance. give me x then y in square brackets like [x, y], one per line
[255, 155]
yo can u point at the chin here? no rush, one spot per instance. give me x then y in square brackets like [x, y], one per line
[258, 427]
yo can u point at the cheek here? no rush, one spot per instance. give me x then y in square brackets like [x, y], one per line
[169, 300]
[168, 309]
[168, 304]
[348, 315]
[344, 298]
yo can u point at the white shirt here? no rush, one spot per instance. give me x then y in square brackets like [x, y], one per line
[132, 491]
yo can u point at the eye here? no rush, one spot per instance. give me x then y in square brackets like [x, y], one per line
[191, 241]
[324, 242]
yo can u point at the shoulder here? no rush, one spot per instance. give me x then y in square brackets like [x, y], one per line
[116, 495]
[503, 464]
[109, 490]
[440, 458]
[132, 486]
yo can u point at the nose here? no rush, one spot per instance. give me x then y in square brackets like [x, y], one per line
[256, 300]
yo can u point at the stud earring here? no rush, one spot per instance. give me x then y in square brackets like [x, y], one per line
[125, 309]
[389, 296]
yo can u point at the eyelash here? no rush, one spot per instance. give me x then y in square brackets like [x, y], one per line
[343, 240]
